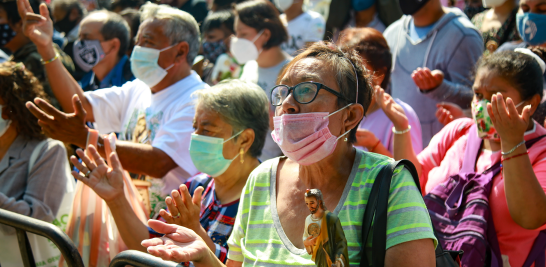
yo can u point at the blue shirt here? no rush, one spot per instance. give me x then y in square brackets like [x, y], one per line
[418, 33]
[115, 77]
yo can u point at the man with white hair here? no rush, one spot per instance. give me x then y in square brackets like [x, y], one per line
[153, 113]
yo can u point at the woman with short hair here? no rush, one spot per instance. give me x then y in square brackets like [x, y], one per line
[231, 122]
[260, 34]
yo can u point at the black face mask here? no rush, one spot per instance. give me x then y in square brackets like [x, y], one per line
[65, 25]
[6, 34]
[410, 7]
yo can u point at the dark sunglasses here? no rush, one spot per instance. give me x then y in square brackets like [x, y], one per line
[303, 93]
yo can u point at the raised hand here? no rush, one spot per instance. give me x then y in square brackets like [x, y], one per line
[509, 124]
[66, 127]
[448, 112]
[179, 244]
[106, 182]
[38, 28]
[183, 209]
[365, 138]
[393, 111]
[426, 79]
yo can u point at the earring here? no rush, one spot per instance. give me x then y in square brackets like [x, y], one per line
[345, 139]
[242, 153]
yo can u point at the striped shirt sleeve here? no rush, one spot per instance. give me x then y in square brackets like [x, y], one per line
[234, 241]
[407, 215]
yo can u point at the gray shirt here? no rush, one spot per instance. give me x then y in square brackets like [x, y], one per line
[37, 194]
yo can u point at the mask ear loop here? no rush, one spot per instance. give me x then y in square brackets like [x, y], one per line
[233, 136]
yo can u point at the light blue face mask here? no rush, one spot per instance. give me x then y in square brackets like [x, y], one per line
[532, 28]
[144, 65]
[206, 154]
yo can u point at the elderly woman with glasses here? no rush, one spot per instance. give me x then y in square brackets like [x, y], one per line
[320, 101]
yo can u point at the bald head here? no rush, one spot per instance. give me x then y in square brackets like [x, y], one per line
[104, 25]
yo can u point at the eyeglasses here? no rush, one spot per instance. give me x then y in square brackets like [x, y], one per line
[303, 93]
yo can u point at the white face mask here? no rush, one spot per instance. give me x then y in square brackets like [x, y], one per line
[492, 3]
[144, 65]
[284, 4]
[4, 124]
[244, 50]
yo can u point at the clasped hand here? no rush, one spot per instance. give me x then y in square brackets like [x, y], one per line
[183, 209]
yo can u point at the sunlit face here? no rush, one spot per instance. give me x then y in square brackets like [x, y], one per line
[489, 82]
[151, 34]
[312, 204]
[210, 123]
[244, 31]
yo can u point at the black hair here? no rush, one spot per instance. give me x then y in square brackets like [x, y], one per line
[223, 20]
[13, 14]
[124, 4]
[224, 4]
[262, 14]
[521, 70]
[116, 27]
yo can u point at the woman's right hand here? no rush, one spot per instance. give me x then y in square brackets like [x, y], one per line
[106, 182]
[393, 111]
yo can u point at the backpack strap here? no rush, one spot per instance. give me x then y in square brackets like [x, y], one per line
[35, 154]
[472, 150]
[377, 205]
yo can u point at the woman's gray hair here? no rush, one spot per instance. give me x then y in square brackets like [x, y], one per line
[242, 105]
[178, 26]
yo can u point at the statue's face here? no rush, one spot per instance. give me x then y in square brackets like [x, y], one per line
[312, 204]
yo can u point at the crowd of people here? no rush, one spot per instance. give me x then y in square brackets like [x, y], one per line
[200, 126]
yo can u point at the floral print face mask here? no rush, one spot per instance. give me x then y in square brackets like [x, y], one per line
[481, 117]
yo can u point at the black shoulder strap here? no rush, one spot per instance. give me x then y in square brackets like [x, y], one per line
[377, 205]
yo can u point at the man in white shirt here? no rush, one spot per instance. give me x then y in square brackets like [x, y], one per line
[304, 28]
[153, 114]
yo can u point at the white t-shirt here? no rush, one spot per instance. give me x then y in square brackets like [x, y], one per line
[307, 27]
[163, 119]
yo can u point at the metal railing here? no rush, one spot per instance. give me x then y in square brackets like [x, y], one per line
[140, 259]
[23, 224]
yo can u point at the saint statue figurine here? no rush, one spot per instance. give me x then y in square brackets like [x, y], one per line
[323, 236]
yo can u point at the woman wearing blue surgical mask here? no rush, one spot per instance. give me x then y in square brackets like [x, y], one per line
[231, 122]
[507, 90]
[259, 35]
[531, 25]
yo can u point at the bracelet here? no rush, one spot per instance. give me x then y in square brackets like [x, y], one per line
[509, 158]
[375, 146]
[513, 149]
[45, 62]
[401, 132]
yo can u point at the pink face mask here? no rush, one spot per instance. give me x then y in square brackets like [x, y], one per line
[305, 137]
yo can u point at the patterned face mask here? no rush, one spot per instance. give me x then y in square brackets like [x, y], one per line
[481, 117]
[212, 50]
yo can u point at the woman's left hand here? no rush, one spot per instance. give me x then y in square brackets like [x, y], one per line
[183, 209]
[509, 124]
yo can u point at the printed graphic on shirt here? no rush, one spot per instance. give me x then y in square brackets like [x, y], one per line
[306, 28]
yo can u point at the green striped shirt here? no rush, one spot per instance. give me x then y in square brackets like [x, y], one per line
[259, 240]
